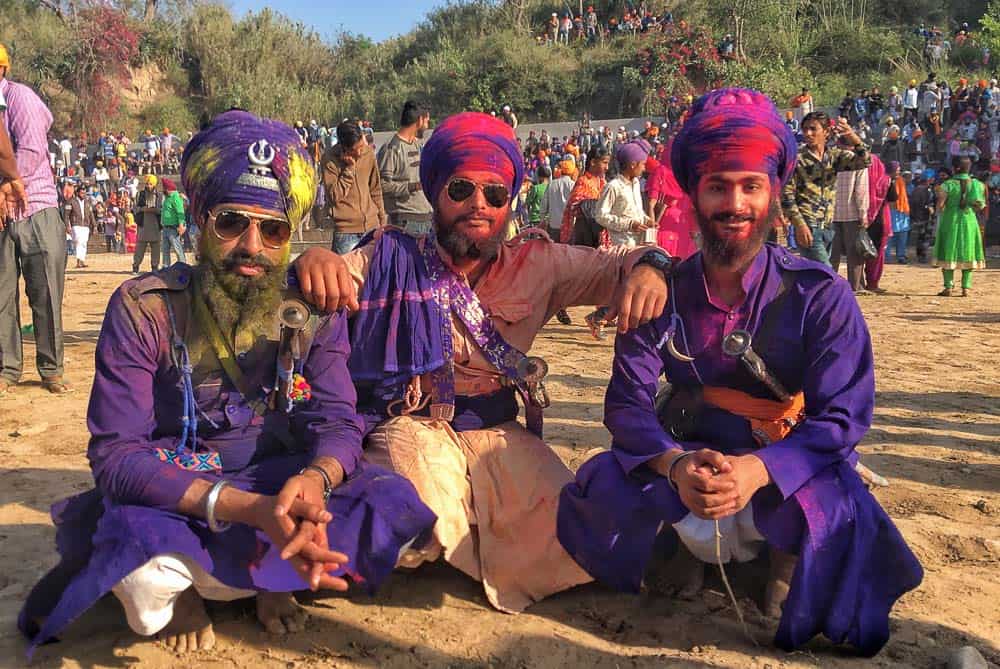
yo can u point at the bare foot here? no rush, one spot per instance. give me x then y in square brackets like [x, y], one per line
[683, 576]
[778, 583]
[190, 629]
[279, 613]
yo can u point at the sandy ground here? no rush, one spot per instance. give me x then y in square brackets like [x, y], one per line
[936, 436]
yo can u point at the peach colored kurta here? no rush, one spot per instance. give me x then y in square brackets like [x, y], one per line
[496, 490]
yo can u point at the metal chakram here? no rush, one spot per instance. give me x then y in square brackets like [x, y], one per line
[261, 155]
[259, 174]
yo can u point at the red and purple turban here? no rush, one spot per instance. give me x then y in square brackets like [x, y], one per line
[240, 158]
[733, 129]
[470, 141]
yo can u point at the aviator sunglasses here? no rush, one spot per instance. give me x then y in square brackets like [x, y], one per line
[230, 225]
[460, 190]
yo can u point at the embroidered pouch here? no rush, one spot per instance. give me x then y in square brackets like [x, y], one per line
[208, 461]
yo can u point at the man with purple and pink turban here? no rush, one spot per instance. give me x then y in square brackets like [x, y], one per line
[770, 386]
[224, 434]
[440, 354]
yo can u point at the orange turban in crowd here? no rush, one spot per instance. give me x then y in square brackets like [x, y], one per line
[568, 168]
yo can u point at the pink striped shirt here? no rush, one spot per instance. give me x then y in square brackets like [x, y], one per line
[28, 121]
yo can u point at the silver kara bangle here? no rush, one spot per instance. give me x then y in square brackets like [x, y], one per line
[210, 502]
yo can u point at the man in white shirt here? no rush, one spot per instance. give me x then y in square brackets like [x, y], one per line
[850, 214]
[66, 149]
[911, 100]
[930, 101]
[554, 201]
[619, 209]
[101, 177]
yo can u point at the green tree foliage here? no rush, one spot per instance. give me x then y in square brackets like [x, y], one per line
[466, 54]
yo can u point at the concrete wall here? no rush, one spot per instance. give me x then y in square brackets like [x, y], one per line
[557, 128]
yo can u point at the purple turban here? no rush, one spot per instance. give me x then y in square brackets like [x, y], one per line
[631, 152]
[243, 159]
[733, 129]
[470, 141]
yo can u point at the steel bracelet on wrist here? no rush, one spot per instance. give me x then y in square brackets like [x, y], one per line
[670, 469]
[210, 501]
[327, 483]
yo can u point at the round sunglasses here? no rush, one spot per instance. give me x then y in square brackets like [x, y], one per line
[460, 190]
[231, 225]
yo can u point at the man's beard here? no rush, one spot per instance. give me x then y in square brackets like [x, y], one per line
[461, 247]
[242, 305]
[733, 253]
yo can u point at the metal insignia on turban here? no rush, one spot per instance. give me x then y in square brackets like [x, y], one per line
[259, 173]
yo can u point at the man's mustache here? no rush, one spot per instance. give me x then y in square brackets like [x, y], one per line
[468, 218]
[732, 217]
[247, 260]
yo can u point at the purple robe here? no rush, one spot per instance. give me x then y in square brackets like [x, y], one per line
[136, 405]
[853, 563]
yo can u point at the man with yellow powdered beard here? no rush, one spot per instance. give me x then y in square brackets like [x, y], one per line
[224, 436]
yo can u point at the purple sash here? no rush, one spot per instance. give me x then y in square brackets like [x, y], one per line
[454, 295]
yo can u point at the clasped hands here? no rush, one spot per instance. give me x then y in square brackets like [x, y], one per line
[296, 520]
[712, 485]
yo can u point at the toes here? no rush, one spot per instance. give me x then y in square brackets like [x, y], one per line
[181, 646]
[207, 639]
[274, 625]
[294, 623]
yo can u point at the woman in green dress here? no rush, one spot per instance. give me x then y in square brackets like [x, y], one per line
[959, 240]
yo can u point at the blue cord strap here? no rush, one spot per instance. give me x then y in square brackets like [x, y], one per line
[186, 454]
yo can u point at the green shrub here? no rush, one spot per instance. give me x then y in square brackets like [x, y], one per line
[170, 111]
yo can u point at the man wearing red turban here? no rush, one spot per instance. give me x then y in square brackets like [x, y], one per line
[751, 446]
[172, 221]
[440, 349]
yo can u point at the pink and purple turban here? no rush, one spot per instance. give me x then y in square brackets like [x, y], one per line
[470, 141]
[635, 151]
[733, 129]
[240, 158]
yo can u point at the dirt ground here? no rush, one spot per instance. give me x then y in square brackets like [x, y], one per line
[936, 436]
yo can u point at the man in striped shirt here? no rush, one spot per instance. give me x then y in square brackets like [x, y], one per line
[34, 243]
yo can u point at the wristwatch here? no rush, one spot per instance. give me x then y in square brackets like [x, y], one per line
[657, 260]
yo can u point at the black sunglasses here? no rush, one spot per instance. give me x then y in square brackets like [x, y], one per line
[460, 190]
[230, 225]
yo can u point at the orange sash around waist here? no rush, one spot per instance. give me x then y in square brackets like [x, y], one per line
[770, 420]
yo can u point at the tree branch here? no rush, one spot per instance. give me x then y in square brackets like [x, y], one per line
[54, 7]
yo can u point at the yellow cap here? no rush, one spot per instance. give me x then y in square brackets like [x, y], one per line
[4, 58]
[151, 180]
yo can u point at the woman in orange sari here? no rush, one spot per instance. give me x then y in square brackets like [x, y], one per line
[587, 187]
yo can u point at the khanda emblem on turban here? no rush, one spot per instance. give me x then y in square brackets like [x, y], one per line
[259, 174]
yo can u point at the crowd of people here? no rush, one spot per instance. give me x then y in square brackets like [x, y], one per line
[938, 45]
[918, 141]
[236, 411]
[591, 27]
